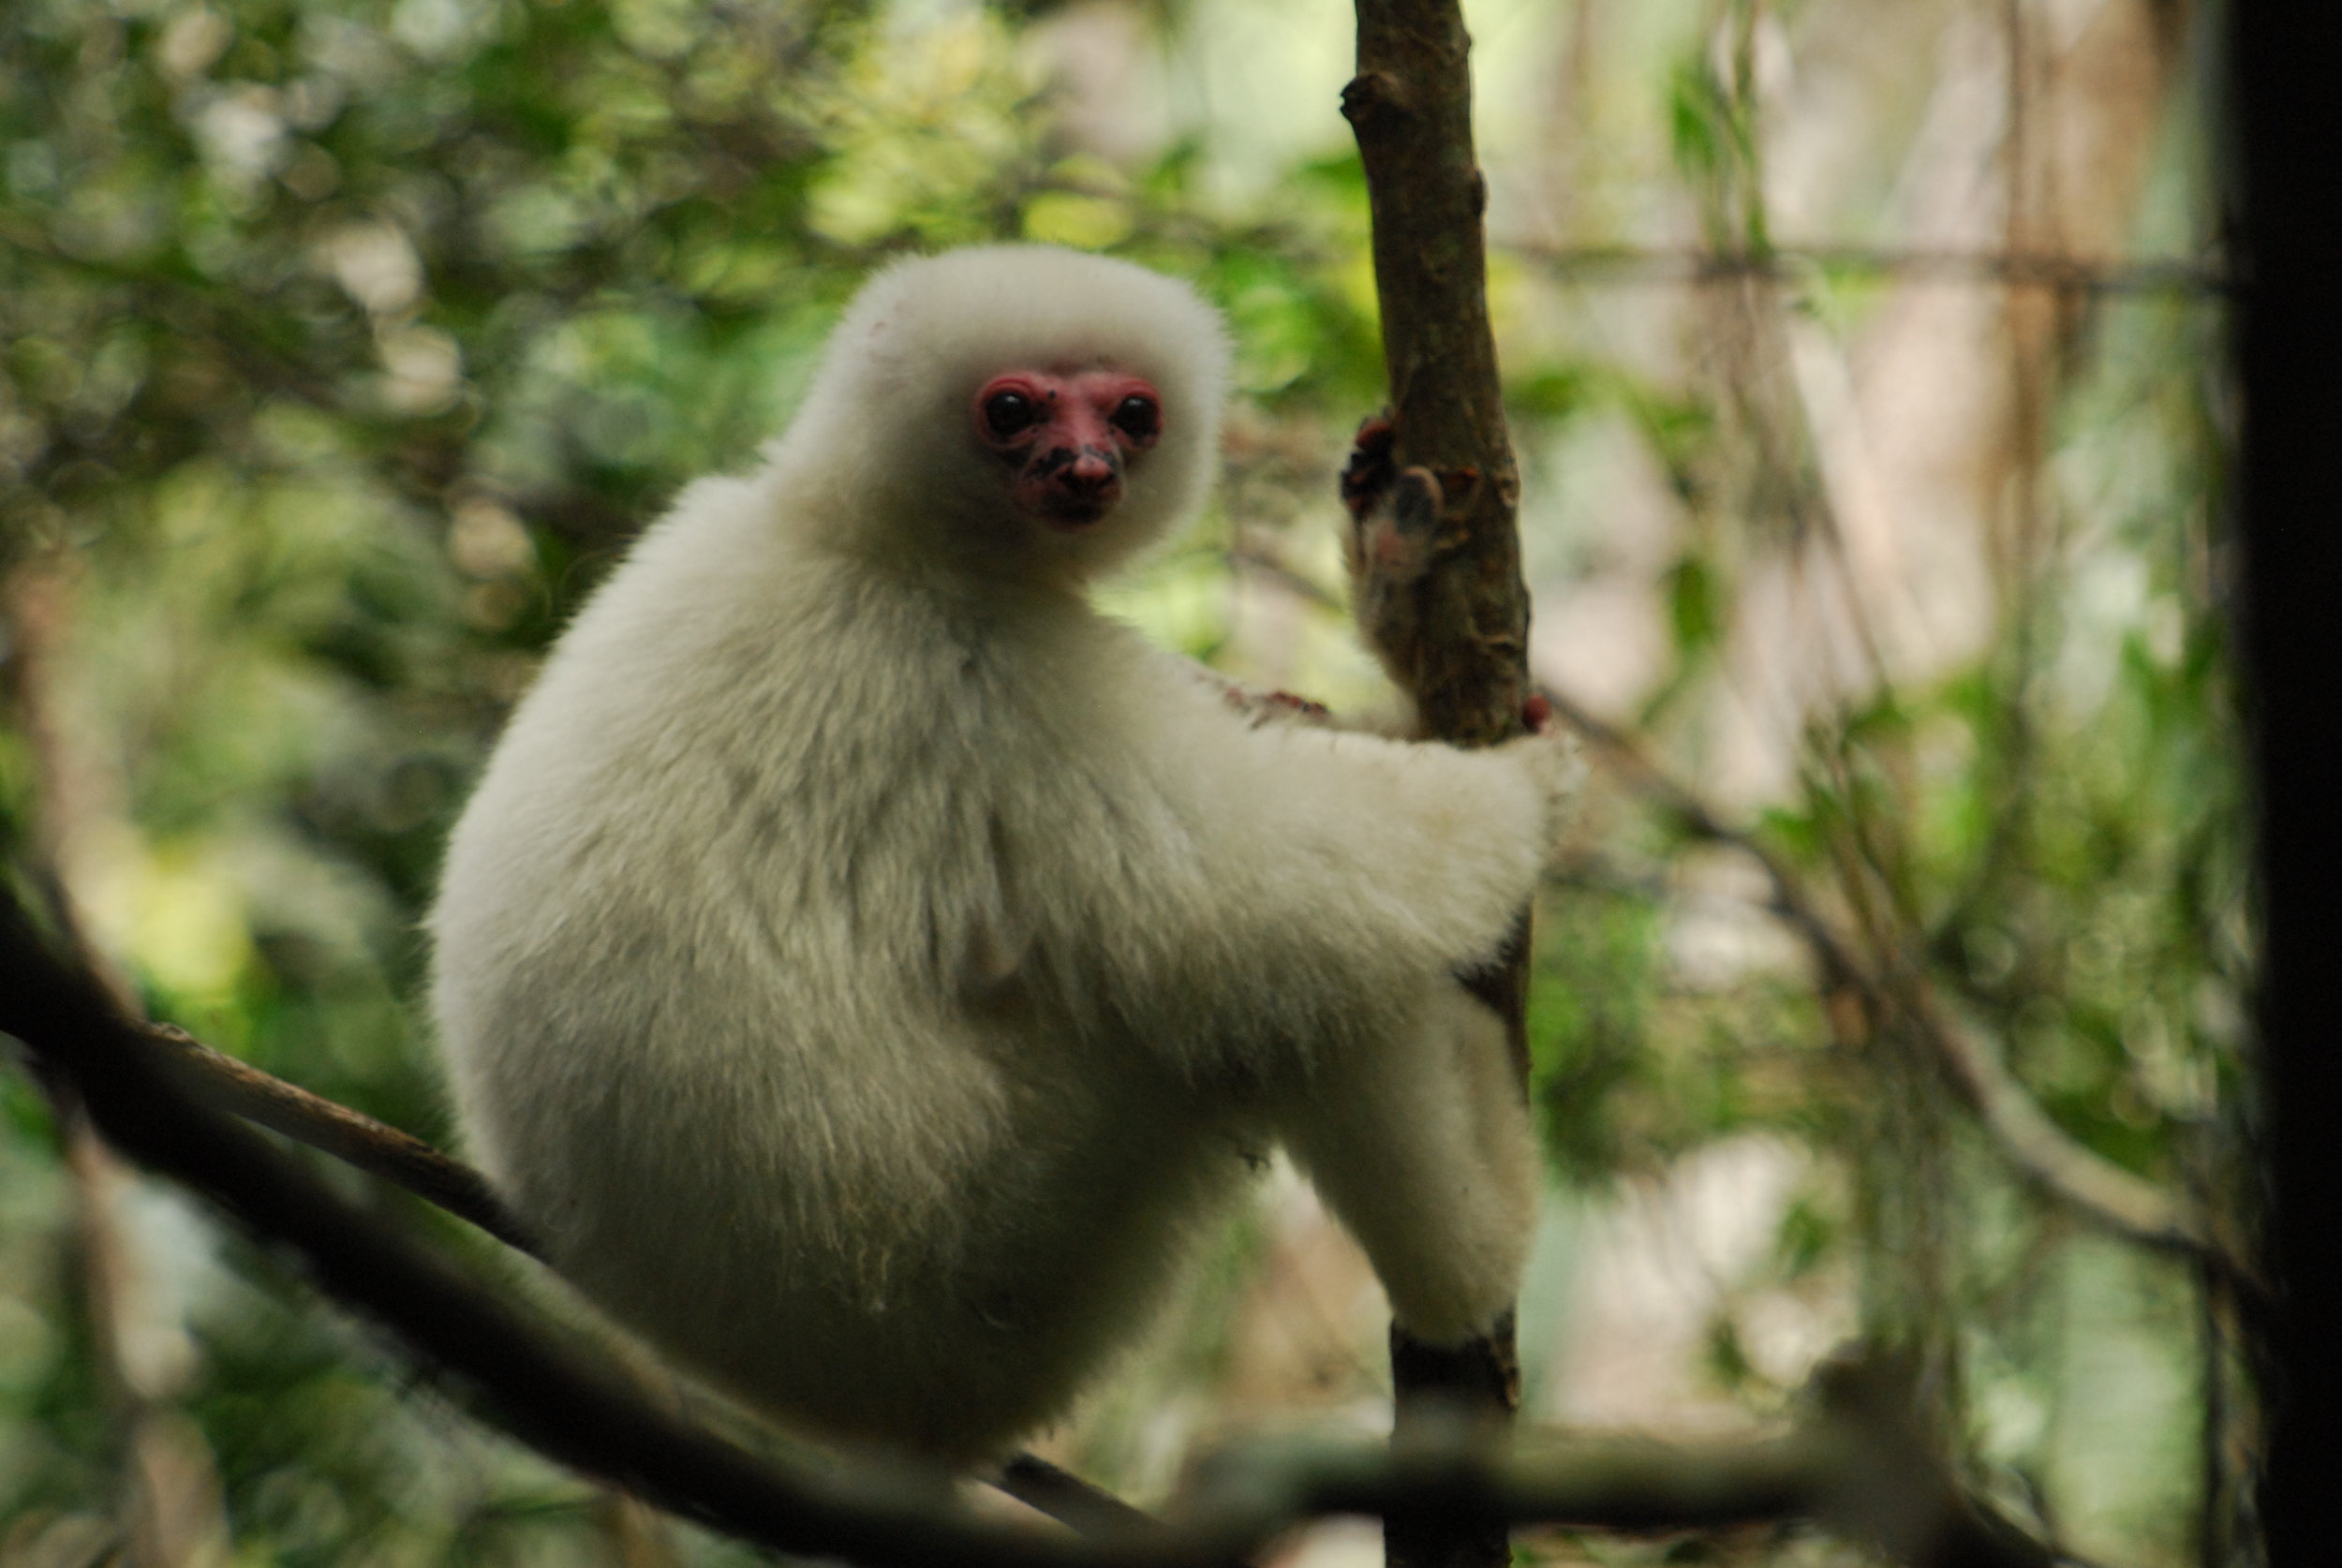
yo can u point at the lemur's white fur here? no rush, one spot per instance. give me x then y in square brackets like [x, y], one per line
[865, 964]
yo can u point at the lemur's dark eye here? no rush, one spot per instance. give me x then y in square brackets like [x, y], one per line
[1138, 418]
[1006, 413]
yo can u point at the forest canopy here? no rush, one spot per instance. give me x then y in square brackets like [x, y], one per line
[1864, 362]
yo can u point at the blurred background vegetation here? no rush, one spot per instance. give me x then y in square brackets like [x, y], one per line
[1866, 367]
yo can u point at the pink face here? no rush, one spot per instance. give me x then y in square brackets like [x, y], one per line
[1067, 437]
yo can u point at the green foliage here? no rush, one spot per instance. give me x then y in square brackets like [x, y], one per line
[1588, 1026]
[345, 343]
[1712, 130]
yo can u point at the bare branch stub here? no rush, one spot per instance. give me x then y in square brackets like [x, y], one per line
[355, 1139]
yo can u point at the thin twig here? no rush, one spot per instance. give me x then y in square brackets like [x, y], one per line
[1790, 263]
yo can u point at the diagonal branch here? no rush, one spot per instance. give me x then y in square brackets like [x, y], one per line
[1859, 1471]
[405, 1162]
[557, 1401]
[2092, 1185]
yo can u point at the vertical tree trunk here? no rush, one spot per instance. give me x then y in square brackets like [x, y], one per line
[2287, 59]
[1466, 665]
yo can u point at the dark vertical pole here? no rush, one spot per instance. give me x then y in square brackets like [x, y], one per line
[2287, 77]
[1467, 665]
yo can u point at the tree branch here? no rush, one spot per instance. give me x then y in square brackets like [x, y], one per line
[1410, 108]
[1463, 654]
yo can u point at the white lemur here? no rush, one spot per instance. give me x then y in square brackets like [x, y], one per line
[865, 964]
